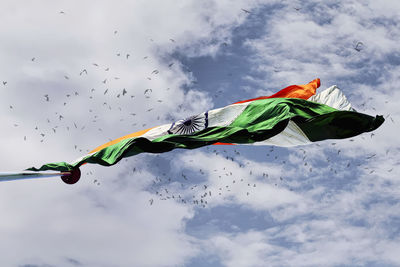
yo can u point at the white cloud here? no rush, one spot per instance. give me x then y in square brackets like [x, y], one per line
[324, 217]
[45, 47]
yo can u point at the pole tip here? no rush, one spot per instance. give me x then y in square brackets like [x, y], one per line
[72, 177]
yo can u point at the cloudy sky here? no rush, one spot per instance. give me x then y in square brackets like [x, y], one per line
[63, 68]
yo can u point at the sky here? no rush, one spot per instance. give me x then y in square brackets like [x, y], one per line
[63, 68]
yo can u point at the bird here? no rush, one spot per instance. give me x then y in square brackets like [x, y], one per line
[83, 71]
[4, 82]
[172, 40]
[170, 65]
[115, 32]
[33, 59]
[358, 46]
[297, 8]
[105, 80]
[151, 201]
[246, 11]
[127, 56]
[47, 97]
[124, 92]
[62, 12]
[373, 155]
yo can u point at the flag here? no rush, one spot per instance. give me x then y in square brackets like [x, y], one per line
[293, 116]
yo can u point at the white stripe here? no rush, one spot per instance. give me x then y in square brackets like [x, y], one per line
[292, 135]
[332, 97]
[226, 115]
[156, 132]
[216, 117]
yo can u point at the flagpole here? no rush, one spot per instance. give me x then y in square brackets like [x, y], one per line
[68, 177]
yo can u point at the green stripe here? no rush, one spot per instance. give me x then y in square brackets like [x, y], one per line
[259, 121]
[317, 121]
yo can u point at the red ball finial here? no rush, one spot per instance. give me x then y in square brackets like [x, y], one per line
[72, 177]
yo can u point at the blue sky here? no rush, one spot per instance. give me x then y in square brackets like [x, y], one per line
[333, 203]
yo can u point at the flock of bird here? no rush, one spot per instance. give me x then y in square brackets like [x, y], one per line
[233, 181]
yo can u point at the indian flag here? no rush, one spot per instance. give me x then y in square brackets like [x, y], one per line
[296, 115]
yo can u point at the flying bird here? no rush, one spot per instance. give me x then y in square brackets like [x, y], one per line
[246, 11]
[358, 46]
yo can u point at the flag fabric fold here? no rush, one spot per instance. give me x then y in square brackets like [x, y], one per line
[293, 116]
